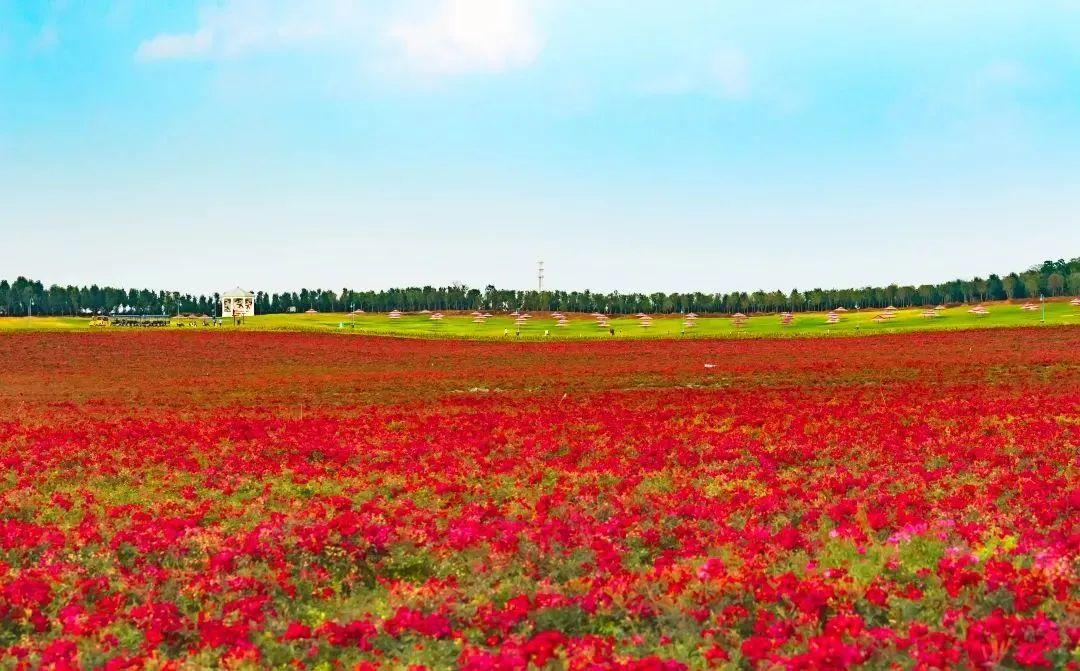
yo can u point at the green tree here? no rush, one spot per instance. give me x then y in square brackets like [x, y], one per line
[1010, 284]
[1055, 283]
[1074, 284]
[1031, 284]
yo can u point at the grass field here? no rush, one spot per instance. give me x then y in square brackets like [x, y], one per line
[582, 327]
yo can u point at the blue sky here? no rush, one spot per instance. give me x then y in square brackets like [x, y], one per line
[631, 145]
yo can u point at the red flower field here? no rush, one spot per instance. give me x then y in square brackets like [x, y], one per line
[249, 500]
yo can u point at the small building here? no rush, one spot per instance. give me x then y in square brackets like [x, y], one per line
[238, 303]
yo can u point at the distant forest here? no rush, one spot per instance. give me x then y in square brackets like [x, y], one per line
[1051, 278]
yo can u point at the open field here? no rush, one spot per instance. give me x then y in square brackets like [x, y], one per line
[581, 327]
[181, 499]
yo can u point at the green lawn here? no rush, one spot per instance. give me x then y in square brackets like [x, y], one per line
[44, 324]
[585, 327]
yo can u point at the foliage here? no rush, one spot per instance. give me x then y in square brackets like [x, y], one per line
[1052, 278]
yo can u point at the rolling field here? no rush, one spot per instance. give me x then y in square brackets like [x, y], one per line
[181, 499]
[582, 327]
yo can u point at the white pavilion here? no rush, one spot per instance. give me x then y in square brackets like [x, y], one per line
[238, 303]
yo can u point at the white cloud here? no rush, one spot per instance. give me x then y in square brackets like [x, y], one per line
[730, 72]
[168, 47]
[437, 37]
[241, 27]
[458, 36]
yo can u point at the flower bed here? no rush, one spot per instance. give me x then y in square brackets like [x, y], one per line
[327, 502]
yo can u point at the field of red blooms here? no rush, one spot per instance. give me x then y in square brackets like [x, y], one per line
[275, 500]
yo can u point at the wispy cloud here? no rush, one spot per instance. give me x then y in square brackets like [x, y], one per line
[178, 46]
[724, 73]
[458, 36]
[441, 37]
[729, 72]
[239, 28]
[999, 76]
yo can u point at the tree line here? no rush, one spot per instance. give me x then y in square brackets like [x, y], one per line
[1051, 278]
